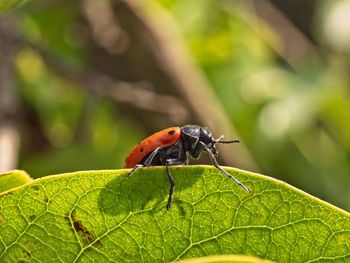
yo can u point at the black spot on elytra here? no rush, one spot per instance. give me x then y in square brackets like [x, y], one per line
[82, 231]
[141, 150]
[171, 132]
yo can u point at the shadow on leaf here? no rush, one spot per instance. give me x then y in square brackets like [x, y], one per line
[145, 190]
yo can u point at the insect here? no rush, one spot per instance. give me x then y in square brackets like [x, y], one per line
[172, 146]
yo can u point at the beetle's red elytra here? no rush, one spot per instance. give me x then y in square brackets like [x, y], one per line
[170, 147]
[163, 139]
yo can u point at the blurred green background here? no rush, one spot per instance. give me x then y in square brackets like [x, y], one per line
[83, 81]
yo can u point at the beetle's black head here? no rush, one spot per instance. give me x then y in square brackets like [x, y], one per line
[195, 136]
[207, 138]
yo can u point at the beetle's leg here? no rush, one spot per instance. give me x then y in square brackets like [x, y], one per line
[137, 166]
[172, 186]
[147, 162]
[168, 163]
[216, 164]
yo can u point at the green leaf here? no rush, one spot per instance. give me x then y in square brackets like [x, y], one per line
[12, 179]
[104, 215]
[225, 259]
[8, 4]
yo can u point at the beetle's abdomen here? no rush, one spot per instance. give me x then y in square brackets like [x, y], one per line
[162, 139]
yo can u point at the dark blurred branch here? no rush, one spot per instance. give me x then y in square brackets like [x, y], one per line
[9, 137]
[138, 94]
[293, 44]
[301, 14]
[105, 28]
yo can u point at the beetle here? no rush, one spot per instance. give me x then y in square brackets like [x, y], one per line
[172, 146]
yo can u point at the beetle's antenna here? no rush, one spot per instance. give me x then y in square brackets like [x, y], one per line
[219, 140]
[227, 142]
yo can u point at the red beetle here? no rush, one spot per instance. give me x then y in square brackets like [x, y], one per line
[170, 147]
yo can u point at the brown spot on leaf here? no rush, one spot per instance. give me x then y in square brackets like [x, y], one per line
[2, 219]
[7, 193]
[26, 254]
[35, 188]
[97, 244]
[80, 229]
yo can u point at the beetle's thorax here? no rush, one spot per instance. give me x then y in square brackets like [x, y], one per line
[193, 138]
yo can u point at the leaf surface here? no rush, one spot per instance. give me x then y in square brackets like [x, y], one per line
[104, 215]
[225, 259]
[12, 179]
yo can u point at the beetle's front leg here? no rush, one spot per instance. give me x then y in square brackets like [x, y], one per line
[216, 164]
